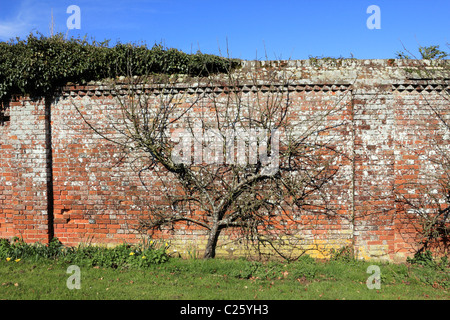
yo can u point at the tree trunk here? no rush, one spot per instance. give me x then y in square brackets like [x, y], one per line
[210, 250]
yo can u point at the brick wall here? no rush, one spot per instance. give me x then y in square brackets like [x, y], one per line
[23, 178]
[384, 138]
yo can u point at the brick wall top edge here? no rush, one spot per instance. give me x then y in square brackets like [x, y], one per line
[303, 75]
[123, 89]
[341, 62]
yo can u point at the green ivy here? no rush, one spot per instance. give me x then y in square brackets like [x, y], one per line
[39, 65]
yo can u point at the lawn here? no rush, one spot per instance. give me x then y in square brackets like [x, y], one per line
[221, 279]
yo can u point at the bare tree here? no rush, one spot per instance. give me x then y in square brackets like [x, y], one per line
[228, 153]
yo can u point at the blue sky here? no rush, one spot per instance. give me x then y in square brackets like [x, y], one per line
[243, 29]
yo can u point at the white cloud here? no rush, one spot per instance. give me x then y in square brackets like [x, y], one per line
[20, 17]
[10, 30]
[28, 16]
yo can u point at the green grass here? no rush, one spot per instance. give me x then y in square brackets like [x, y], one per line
[217, 279]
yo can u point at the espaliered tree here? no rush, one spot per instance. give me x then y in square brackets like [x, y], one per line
[261, 196]
[40, 67]
[228, 155]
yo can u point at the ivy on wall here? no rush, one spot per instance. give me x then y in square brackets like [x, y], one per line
[39, 65]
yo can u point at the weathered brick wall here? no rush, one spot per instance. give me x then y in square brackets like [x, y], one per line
[384, 138]
[23, 179]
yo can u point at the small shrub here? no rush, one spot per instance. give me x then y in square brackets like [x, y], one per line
[422, 258]
[426, 259]
[344, 254]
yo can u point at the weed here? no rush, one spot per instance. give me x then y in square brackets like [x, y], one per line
[344, 254]
[426, 259]
[432, 271]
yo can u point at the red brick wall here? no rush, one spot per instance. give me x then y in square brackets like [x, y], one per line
[23, 209]
[98, 197]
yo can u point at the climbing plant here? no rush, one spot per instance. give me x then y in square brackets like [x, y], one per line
[39, 65]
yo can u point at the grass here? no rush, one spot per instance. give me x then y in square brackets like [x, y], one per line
[221, 279]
